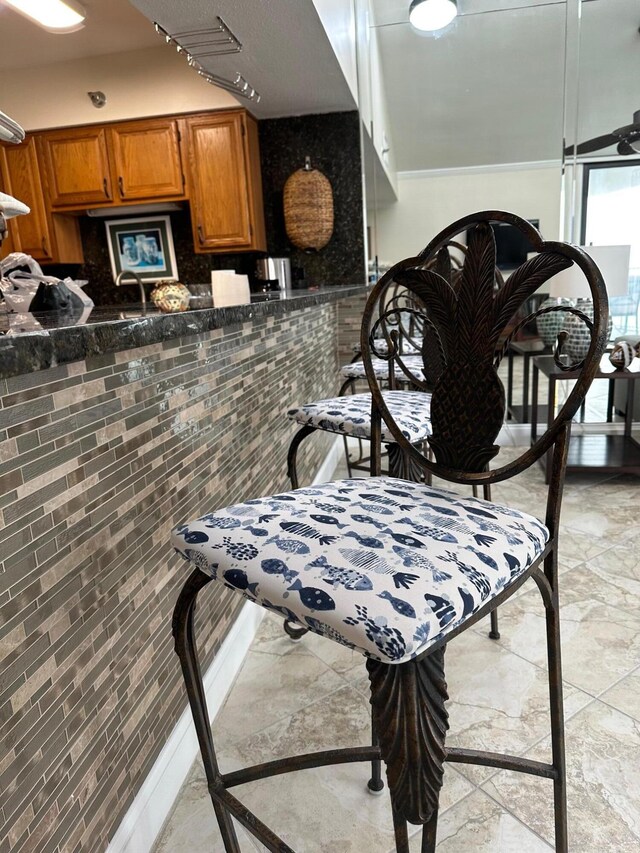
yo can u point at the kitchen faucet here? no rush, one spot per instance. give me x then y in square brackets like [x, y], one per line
[119, 281]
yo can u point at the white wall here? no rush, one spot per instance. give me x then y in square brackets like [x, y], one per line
[154, 81]
[338, 20]
[429, 201]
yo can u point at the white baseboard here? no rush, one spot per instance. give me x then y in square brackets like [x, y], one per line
[154, 801]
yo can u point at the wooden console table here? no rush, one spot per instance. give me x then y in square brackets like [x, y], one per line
[527, 349]
[618, 453]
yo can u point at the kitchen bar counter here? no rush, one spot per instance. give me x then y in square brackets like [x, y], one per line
[110, 435]
[110, 329]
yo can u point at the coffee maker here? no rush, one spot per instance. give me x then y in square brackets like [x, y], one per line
[274, 273]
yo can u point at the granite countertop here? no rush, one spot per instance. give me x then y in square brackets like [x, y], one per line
[114, 328]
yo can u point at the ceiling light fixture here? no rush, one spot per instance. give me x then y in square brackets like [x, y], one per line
[55, 16]
[432, 15]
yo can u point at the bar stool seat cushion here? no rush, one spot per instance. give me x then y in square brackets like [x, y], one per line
[355, 370]
[382, 347]
[382, 565]
[351, 414]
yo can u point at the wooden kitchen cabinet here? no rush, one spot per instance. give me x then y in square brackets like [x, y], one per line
[146, 160]
[76, 166]
[47, 237]
[225, 183]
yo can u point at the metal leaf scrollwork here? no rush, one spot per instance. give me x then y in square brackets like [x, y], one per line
[467, 317]
[412, 722]
[562, 336]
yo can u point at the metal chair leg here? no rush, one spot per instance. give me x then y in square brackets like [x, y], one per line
[557, 720]
[408, 702]
[292, 455]
[494, 632]
[375, 783]
[401, 833]
[295, 632]
[429, 833]
[186, 649]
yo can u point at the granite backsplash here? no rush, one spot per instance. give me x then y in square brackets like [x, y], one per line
[332, 142]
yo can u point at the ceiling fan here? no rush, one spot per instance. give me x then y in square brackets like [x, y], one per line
[627, 139]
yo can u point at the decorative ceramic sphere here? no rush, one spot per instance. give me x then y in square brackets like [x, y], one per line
[550, 325]
[579, 340]
[170, 296]
[623, 354]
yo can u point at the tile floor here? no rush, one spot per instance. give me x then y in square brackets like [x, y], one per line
[314, 695]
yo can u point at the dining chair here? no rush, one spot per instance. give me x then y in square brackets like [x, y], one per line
[397, 569]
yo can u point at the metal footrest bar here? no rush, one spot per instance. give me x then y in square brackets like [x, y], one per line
[501, 761]
[253, 824]
[347, 755]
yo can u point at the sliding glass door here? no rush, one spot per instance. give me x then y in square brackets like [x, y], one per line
[611, 217]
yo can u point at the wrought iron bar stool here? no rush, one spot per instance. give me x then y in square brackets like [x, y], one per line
[397, 569]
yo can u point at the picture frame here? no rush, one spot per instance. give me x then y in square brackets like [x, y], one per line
[143, 245]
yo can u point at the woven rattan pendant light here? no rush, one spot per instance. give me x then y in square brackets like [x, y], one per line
[308, 208]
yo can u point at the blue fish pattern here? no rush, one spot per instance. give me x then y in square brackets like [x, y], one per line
[277, 567]
[348, 578]
[367, 541]
[385, 566]
[307, 531]
[314, 599]
[400, 606]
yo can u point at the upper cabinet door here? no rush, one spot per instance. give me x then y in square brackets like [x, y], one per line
[21, 179]
[220, 203]
[76, 166]
[146, 159]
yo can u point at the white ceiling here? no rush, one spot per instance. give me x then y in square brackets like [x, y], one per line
[287, 56]
[112, 26]
[489, 89]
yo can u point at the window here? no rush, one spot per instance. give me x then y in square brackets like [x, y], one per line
[611, 217]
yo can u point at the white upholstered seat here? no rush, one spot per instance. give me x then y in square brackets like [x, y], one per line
[351, 414]
[355, 370]
[382, 565]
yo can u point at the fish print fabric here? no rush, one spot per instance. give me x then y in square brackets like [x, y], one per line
[351, 414]
[355, 370]
[381, 565]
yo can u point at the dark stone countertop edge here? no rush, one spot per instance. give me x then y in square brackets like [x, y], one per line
[29, 352]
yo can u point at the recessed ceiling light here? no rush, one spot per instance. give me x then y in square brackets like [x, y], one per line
[431, 15]
[56, 16]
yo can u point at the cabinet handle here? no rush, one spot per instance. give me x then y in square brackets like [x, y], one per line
[105, 188]
[44, 246]
[200, 235]
[121, 185]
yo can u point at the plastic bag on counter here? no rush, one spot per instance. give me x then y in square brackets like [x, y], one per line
[33, 291]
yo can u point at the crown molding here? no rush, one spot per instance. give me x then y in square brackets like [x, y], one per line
[489, 168]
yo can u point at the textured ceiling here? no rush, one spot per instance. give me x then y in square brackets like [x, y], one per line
[489, 89]
[286, 55]
[112, 26]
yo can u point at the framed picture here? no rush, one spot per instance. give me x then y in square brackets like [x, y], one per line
[144, 245]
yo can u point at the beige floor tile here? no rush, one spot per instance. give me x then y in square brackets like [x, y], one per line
[603, 767]
[478, 824]
[625, 695]
[622, 560]
[600, 641]
[497, 701]
[271, 687]
[192, 827]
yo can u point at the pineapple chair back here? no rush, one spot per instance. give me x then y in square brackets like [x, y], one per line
[397, 314]
[396, 569]
[409, 343]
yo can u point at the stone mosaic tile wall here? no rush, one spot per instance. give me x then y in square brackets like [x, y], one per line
[350, 319]
[97, 461]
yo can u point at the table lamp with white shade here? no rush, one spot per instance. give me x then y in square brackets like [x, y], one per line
[613, 263]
